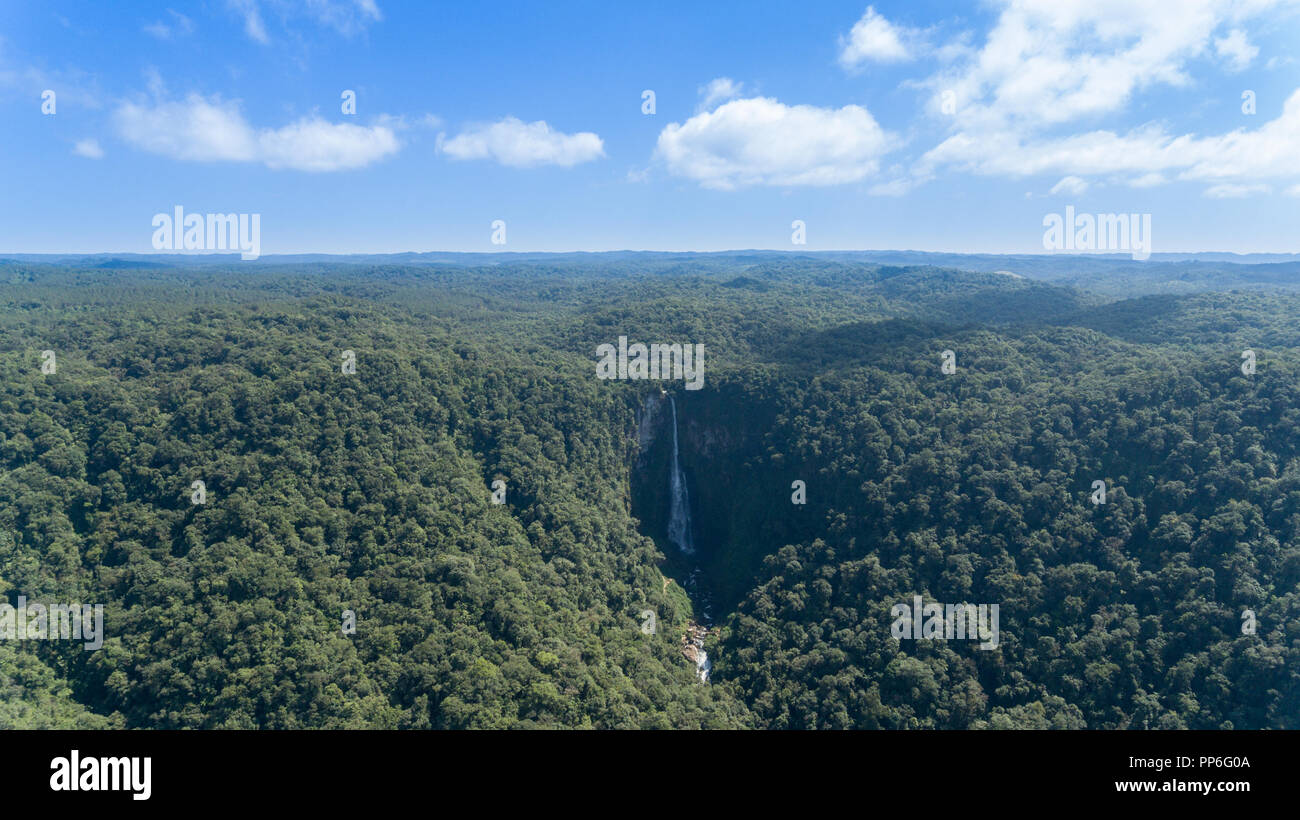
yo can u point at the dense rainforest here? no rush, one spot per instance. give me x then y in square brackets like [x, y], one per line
[349, 423]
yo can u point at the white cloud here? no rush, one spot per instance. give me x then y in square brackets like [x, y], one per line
[520, 144]
[201, 130]
[719, 90]
[347, 17]
[344, 16]
[1054, 61]
[895, 187]
[253, 25]
[1150, 180]
[1269, 152]
[179, 25]
[1230, 190]
[88, 148]
[317, 145]
[73, 87]
[1048, 64]
[402, 122]
[193, 129]
[1070, 185]
[154, 81]
[1236, 49]
[760, 141]
[875, 39]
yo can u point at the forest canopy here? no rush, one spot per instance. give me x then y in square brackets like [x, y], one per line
[370, 492]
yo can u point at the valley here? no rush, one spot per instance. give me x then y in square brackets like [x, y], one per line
[370, 491]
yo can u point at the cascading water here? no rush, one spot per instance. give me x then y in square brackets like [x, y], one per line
[679, 511]
[679, 533]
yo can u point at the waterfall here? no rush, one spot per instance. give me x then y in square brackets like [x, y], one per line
[679, 513]
[679, 533]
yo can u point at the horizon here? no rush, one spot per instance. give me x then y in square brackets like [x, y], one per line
[1105, 255]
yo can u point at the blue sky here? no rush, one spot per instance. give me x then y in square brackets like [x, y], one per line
[832, 113]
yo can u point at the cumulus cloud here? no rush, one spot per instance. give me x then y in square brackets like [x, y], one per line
[1236, 49]
[875, 39]
[317, 145]
[202, 130]
[88, 148]
[520, 144]
[1268, 152]
[760, 141]
[1053, 61]
[1046, 65]
[192, 129]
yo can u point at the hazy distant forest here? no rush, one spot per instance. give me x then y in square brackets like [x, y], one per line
[371, 492]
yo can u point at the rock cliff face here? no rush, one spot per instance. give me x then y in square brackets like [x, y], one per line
[648, 419]
[653, 463]
[739, 492]
[658, 497]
